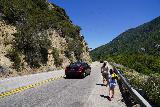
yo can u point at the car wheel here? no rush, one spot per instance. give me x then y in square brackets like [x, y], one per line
[67, 76]
[84, 75]
[89, 72]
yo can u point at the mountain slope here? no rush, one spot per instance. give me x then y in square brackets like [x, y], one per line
[137, 48]
[142, 39]
[37, 36]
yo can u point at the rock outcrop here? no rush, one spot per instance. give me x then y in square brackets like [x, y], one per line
[17, 46]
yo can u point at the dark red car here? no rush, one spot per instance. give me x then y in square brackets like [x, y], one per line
[77, 69]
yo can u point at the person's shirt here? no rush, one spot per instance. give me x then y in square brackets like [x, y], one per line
[112, 79]
[104, 70]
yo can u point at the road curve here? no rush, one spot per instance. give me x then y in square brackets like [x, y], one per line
[86, 92]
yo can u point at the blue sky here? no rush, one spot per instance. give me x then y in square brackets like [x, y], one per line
[103, 20]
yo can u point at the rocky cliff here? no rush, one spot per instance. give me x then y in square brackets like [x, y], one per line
[37, 36]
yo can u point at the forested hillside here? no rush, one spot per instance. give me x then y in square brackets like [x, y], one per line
[138, 52]
[37, 34]
[137, 48]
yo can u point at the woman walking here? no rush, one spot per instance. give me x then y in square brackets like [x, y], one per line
[104, 71]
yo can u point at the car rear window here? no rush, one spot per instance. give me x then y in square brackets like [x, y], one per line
[85, 64]
[75, 65]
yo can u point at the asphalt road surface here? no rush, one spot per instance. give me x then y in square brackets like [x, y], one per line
[87, 92]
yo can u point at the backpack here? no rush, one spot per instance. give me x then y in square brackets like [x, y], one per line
[114, 76]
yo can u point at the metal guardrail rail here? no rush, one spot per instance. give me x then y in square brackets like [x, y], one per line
[136, 96]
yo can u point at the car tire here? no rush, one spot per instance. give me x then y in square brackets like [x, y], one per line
[67, 76]
[84, 75]
[89, 72]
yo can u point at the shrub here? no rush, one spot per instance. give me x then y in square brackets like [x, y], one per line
[152, 88]
[35, 47]
[57, 60]
[150, 84]
[14, 55]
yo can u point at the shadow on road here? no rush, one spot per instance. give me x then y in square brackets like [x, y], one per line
[73, 78]
[106, 97]
[100, 84]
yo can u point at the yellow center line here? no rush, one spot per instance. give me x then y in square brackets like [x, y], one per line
[17, 90]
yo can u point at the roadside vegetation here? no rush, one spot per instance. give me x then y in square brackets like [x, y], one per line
[147, 85]
[142, 63]
[143, 73]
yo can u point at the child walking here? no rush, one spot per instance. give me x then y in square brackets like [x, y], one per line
[112, 83]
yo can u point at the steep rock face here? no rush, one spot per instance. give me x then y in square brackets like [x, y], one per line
[22, 44]
[57, 42]
[60, 44]
[85, 55]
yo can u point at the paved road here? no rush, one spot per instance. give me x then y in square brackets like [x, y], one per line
[86, 92]
[7, 84]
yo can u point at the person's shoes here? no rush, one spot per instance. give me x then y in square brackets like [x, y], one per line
[112, 97]
[109, 98]
[104, 84]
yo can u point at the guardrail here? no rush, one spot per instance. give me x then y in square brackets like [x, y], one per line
[136, 96]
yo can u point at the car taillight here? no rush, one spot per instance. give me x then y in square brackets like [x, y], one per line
[80, 69]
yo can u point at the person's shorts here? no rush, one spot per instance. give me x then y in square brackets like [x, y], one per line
[105, 76]
[112, 85]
